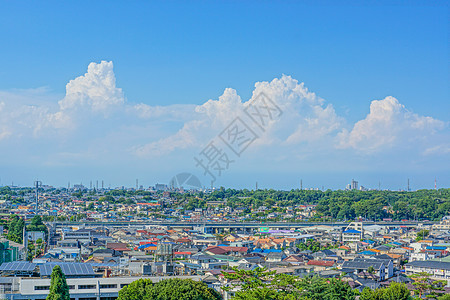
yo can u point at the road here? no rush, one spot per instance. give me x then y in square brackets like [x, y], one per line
[239, 225]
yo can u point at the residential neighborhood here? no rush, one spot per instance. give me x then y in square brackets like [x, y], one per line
[100, 253]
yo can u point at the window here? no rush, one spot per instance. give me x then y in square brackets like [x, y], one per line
[42, 288]
[108, 286]
[71, 287]
[86, 286]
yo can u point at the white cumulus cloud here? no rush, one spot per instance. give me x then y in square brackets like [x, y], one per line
[94, 121]
[305, 118]
[388, 124]
[96, 89]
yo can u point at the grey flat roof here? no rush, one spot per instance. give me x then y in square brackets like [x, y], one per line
[433, 264]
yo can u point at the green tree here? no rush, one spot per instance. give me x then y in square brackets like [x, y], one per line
[422, 234]
[424, 285]
[135, 291]
[395, 291]
[59, 290]
[316, 288]
[168, 289]
[37, 224]
[15, 229]
[260, 284]
[367, 294]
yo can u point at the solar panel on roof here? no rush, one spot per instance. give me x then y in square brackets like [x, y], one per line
[18, 266]
[69, 269]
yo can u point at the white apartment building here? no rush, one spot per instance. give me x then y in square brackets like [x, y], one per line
[15, 288]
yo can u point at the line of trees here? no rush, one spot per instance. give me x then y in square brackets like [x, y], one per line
[339, 205]
[168, 289]
[260, 284]
[15, 229]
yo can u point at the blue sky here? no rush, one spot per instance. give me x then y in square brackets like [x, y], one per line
[170, 58]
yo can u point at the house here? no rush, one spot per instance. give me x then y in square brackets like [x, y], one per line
[35, 235]
[275, 256]
[294, 259]
[321, 265]
[201, 258]
[351, 235]
[439, 270]
[380, 267]
[221, 250]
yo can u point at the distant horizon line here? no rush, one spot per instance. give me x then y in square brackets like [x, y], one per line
[153, 187]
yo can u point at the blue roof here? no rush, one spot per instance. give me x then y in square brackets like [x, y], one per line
[271, 250]
[352, 231]
[368, 253]
[436, 248]
[369, 242]
[257, 250]
[146, 246]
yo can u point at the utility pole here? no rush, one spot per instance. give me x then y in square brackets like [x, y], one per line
[301, 184]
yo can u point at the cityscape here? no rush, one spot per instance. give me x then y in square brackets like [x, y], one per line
[224, 150]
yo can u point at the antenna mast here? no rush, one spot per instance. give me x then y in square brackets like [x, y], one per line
[37, 184]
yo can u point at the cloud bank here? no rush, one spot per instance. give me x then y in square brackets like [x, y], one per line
[94, 122]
